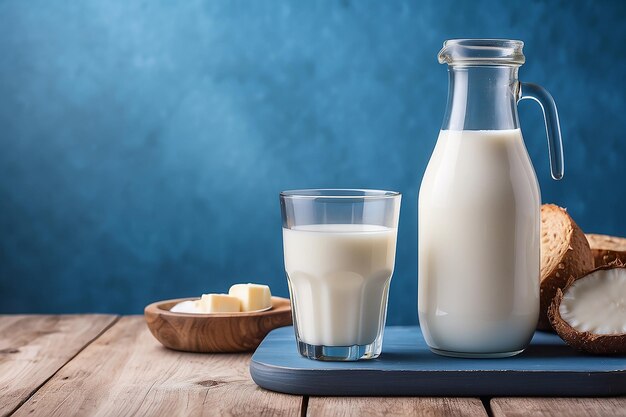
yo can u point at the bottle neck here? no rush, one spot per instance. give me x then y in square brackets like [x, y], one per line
[482, 98]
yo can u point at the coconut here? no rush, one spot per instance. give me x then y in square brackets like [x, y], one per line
[590, 312]
[565, 256]
[607, 249]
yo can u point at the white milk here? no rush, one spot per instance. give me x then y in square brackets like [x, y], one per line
[339, 278]
[479, 244]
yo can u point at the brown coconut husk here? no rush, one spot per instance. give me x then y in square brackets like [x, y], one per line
[565, 256]
[607, 249]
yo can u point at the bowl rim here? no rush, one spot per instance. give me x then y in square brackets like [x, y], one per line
[155, 308]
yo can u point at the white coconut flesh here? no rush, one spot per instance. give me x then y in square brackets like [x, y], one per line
[597, 302]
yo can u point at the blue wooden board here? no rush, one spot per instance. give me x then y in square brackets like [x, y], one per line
[547, 367]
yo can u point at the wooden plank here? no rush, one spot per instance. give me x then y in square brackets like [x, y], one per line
[34, 347]
[127, 372]
[547, 407]
[394, 406]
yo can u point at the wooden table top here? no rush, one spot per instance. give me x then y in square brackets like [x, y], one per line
[104, 365]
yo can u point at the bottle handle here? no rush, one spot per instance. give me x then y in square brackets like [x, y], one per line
[553, 128]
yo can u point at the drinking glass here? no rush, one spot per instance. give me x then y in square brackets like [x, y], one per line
[339, 247]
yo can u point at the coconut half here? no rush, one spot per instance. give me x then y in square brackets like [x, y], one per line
[607, 249]
[590, 312]
[565, 256]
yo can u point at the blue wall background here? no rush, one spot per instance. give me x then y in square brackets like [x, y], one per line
[143, 143]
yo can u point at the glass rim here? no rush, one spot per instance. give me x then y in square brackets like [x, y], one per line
[485, 42]
[482, 52]
[339, 193]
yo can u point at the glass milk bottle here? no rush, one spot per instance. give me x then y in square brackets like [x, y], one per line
[479, 207]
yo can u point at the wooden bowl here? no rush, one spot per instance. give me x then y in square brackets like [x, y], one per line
[216, 332]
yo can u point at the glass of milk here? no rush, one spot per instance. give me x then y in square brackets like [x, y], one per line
[340, 248]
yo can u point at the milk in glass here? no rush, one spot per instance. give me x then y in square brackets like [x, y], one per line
[339, 277]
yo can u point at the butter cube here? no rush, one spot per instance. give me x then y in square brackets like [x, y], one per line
[218, 303]
[252, 296]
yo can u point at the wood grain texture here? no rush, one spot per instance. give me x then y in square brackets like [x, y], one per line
[394, 406]
[127, 372]
[34, 347]
[553, 407]
[216, 332]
